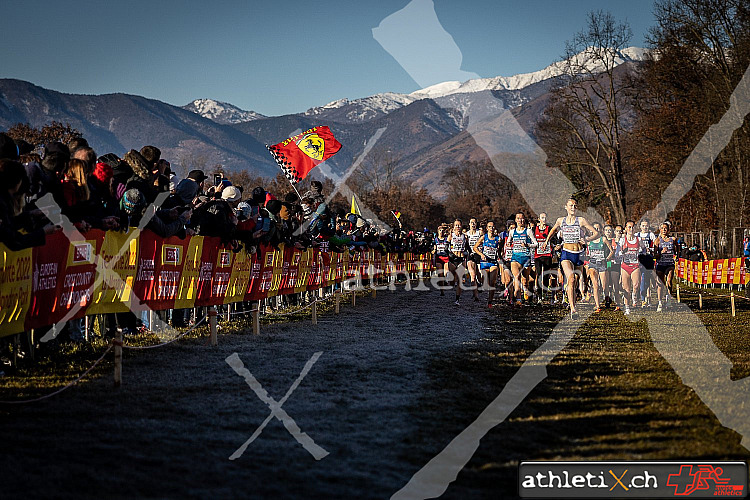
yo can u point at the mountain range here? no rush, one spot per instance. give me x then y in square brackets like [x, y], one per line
[423, 132]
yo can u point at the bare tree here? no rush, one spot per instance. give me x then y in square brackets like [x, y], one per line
[55, 131]
[190, 162]
[582, 127]
[377, 172]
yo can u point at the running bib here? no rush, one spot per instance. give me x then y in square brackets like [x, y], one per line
[541, 237]
[667, 253]
[571, 233]
[520, 242]
[646, 243]
[441, 246]
[508, 249]
[597, 254]
[630, 253]
[458, 244]
[473, 239]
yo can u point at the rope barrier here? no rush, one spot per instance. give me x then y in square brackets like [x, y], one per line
[125, 346]
[71, 384]
[705, 291]
[112, 344]
[285, 313]
[115, 342]
[281, 314]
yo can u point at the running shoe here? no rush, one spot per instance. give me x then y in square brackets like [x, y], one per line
[617, 308]
[659, 307]
[627, 311]
[597, 310]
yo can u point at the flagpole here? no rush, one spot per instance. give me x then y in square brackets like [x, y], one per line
[295, 189]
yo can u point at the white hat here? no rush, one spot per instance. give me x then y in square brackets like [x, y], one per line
[231, 194]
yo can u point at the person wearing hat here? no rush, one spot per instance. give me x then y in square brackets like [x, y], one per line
[8, 147]
[102, 198]
[216, 217]
[190, 187]
[143, 178]
[232, 195]
[12, 185]
[133, 203]
[46, 176]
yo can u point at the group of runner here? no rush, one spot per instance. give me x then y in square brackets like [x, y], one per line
[613, 265]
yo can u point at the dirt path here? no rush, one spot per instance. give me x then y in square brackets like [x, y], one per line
[399, 376]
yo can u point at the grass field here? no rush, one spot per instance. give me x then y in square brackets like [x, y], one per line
[609, 394]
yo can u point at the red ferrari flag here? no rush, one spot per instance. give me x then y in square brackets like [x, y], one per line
[297, 155]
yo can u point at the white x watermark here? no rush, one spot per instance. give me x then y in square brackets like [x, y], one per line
[276, 411]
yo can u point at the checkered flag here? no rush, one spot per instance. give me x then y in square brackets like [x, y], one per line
[298, 155]
[284, 164]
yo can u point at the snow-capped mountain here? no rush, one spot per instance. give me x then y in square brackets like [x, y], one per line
[513, 91]
[221, 112]
[362, 110]
[519, 82]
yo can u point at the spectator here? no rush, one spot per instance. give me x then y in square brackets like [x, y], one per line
[216, 217]
[24, 148]
[151, 154]
[12, 180]
[75, 193]
[45, 177]
[8, 148]
[143, 178]
[88, 155]
[695, 254]
[189, 188]
[77, 143]
[103, 199]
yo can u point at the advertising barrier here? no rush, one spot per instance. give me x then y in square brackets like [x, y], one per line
[109, 272]
[713, 272]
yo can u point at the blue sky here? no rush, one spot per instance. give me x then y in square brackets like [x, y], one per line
[269, 57]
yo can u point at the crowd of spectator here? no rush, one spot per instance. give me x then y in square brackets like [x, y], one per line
[109, 192]
[140, 189]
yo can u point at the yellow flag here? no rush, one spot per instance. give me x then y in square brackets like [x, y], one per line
[355, 207]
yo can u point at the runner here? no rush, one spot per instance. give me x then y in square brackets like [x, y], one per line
[557, 244]
[487, 248]
[646, 261]
[600, 251]
[507, 275]
[440, 251]
[542, 259]
[523, 241]
[584, 289]
[457, 252]
[613, 290]
[665, 246]
[573, 244]
[474, 234]
[630, 272]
